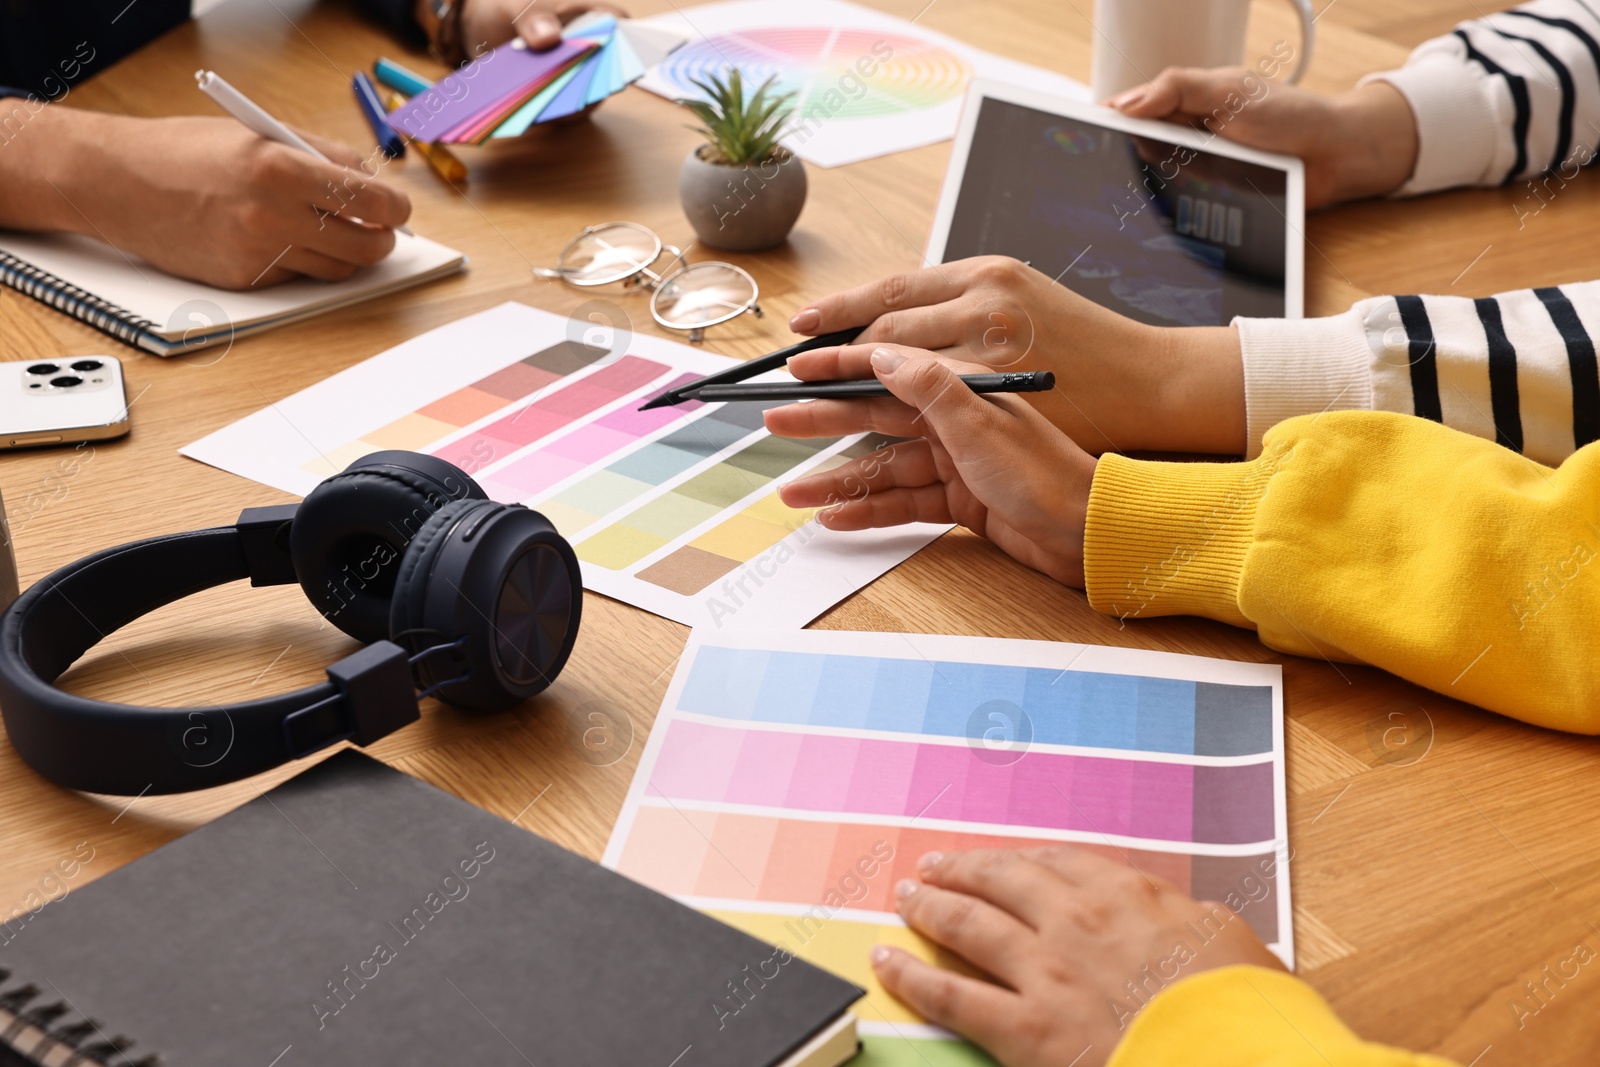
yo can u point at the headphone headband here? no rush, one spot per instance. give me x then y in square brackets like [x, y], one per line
[116, 748]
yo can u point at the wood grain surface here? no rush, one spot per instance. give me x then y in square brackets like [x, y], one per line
[1443, 856]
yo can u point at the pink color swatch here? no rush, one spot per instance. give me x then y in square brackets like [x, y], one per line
[868, 776]
[537, 471]
[549, 413]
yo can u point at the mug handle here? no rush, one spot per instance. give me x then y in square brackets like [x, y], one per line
[1308, 38]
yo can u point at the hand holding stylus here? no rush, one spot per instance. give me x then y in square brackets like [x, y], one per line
[1120, 384]
[991, 463]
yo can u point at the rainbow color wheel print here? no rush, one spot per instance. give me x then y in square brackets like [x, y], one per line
[811, 61]
[865, 84]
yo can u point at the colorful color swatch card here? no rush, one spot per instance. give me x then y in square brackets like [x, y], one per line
[864, 83]
[510, 88]
[791, 779]
[674, 510]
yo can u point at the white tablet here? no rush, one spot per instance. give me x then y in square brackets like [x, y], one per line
[1163, 223]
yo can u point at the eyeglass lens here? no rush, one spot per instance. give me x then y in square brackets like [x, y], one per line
[609, 253]
[703, 294]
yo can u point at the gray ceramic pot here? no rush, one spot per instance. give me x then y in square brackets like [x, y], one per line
[742, 208]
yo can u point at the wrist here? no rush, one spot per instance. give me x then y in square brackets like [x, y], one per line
[1073, 492]
[49, 171]
[1377, 136]
[1195, 387]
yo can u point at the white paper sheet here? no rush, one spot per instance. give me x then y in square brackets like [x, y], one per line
[694, 534]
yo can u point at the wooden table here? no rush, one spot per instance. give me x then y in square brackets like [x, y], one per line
[1443, 855]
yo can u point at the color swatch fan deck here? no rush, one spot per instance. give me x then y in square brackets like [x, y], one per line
[791, 779]
[674, 509]
[864, 84]
[511, 88]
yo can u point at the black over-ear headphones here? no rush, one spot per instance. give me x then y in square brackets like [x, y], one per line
[456, 594]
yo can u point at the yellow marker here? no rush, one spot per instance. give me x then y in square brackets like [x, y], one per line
[441, 159]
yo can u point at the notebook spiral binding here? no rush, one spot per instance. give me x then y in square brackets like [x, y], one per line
[51, 1033]
[67, 298]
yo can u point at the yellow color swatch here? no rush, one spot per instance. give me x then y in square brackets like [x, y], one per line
[410, 432]
[840, 945]
[336, 460]
[617, 547]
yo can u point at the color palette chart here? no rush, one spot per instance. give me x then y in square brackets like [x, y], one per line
[673, 509]
[864, 84]
[511, 88]
[791, 779]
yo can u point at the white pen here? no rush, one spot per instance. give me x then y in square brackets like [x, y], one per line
[254, 117]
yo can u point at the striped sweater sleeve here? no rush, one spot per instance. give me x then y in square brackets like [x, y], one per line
[1518, 368]
[1507, 97]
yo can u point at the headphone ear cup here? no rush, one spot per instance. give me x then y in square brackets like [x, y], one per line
[503, 583]
[351, 532]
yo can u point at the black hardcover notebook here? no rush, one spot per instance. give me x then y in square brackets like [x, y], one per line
[355, 915]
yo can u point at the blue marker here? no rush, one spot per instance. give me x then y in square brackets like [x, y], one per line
[403, 81]
[367, 97]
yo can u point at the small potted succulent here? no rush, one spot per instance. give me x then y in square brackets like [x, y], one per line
[741, 189]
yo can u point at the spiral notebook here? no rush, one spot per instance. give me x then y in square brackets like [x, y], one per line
[139, 305]
[356, 915]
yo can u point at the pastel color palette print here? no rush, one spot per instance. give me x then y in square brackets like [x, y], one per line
[674, 509]
[791, 779]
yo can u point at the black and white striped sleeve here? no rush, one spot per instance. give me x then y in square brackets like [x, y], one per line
[1518, 368]
[1506, 97]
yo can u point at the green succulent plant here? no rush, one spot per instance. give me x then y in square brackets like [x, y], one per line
[740, 130]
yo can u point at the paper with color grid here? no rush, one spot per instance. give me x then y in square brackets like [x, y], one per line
[866, 84]
[674, 510]
[791, 779]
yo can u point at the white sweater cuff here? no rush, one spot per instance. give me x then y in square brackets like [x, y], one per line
[1302, 367]
[1460, 130]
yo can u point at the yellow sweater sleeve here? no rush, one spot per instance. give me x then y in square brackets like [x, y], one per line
[1249, 1017]
[1378, 538]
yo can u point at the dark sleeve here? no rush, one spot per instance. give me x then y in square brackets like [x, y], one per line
[47, 47]
[396, 16]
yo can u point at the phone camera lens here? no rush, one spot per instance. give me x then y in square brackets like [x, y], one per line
[87, 365]
[43, 368]
[66, 381]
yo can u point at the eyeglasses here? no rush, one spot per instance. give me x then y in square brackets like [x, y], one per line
[684, 296]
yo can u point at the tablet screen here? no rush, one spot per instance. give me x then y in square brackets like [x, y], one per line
[1163, 233]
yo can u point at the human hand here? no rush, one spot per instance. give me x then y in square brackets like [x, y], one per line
[1120, 385]
[1359, 143]
[488, 23]
[1061, 931]
[207, 199]
[991, 463]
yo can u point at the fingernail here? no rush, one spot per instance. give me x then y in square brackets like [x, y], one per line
[1127, 99]
[805, 320]
[886, 359]
[930, 861]
[905, 887]
[879, 955]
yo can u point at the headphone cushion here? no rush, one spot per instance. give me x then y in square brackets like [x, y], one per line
[407, 607]
[351, 533]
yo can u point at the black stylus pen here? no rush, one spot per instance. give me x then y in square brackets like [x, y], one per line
[1037, 381]
[753, 367]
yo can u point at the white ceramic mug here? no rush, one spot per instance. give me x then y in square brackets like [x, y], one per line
[1134, 40]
